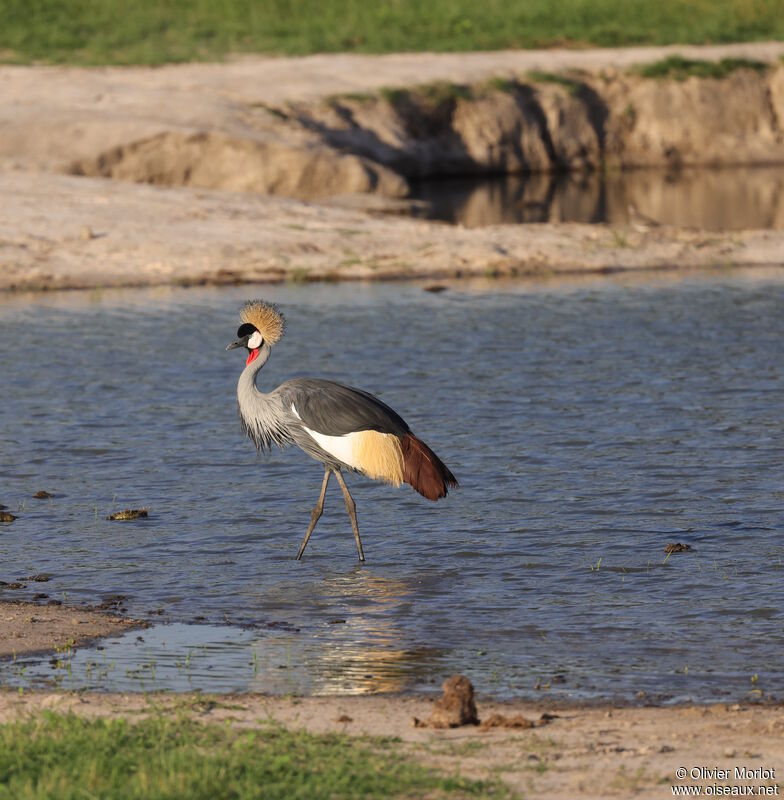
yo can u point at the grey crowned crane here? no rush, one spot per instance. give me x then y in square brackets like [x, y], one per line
[343, 428]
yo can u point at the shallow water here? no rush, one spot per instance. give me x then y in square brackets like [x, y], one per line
[733, 198]
[589, 425]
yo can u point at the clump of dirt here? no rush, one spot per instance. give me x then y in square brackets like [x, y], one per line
[516, 721]
[455, 707]
[41, 494]
[677, 547]
[129, 513]
[501, 721]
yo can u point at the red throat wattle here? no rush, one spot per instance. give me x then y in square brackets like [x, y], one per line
[252, 355]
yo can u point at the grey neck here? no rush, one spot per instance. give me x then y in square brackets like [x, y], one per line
[262, 415]
[246, 387]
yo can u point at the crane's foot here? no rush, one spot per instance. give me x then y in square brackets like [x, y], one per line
[351, 507]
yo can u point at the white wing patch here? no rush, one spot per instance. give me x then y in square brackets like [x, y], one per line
[340, 447]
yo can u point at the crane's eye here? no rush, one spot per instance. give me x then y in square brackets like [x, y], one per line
[255, 341]
[246, 329]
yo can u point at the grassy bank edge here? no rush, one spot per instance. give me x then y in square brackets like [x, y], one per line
[173, 755]
[100, 32]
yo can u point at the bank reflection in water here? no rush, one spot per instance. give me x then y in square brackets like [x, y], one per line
[710, 199]
[361, 654]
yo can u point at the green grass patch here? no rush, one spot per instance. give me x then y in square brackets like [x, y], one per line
[65, 757]
[434, 93]
[501, 84]
[159, 31]
[570, 84]
[679, 68]
[430, 95]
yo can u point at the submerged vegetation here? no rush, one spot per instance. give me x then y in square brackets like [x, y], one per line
[164, 756]
[151, 32]
[129, 513]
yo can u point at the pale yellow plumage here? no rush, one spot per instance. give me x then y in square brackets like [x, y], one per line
[267, 320]
[379, 456]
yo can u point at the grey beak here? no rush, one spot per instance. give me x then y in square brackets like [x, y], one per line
[239, 343]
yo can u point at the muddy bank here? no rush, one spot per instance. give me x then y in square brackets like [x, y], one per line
[215, 161]
[581, 753]
[39, 628]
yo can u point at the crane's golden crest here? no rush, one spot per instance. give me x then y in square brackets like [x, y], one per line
[265, 318]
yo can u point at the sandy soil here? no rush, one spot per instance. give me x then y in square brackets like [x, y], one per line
[591, 752]
[65, 232]
[59, 231]
[30, 628]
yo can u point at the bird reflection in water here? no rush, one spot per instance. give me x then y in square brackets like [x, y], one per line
[361, 653]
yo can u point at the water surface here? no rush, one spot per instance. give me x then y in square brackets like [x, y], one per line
[733, 198]
[589, 425]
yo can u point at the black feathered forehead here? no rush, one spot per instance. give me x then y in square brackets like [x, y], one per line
[246, 329]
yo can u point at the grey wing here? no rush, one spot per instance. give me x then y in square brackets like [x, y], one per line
[335, 410]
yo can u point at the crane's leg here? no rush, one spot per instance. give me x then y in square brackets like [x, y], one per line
[351, 507]
[315, 514]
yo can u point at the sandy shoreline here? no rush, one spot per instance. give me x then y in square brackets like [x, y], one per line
[30, 628]
[581, 753]
[66, 232]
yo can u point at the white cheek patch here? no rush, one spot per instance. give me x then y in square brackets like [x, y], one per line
[255, 341]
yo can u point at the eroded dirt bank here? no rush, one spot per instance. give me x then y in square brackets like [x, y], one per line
[52, 116]
[593, 752]
[531, 123]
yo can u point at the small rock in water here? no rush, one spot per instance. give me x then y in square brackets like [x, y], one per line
[113, 601]
[129, 513]
[435, 289]
[677, 547]
[3, 507]
[42, 495]
[6, 517]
